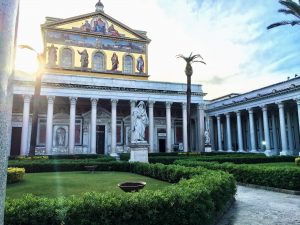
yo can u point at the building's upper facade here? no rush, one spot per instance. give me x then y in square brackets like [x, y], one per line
[96, 44]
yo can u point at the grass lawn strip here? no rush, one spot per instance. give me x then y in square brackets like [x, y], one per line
[76, 183]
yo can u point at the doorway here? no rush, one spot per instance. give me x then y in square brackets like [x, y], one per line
[100, 140]
[162, 145]
[15, 148]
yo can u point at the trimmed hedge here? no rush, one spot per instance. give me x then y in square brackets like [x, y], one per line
[78, 156]
[297, 161]
[285, 178]
[15, 175]
[198, 199]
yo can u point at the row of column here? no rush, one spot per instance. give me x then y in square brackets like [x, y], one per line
[94, 102]
[282, 122]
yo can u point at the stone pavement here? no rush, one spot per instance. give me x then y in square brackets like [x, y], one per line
[261, 207]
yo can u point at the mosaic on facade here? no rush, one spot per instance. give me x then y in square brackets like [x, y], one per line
[94, 42]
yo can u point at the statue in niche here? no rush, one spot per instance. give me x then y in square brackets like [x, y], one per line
[52, 55]
[140, 64]
[60, 137]
[114, 62]
[84, 59]
[207, 138]
[140, 121]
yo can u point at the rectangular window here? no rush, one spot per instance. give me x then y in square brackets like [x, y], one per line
[42, 134]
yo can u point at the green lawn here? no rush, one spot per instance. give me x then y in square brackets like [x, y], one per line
[76, 183]
[278, 165]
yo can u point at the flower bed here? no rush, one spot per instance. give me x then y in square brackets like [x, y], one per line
[284, 178]
[197, 199]
[15, 175]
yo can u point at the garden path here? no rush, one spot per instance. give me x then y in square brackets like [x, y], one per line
[261, 207]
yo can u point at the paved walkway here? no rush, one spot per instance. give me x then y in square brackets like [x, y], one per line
[260, 207]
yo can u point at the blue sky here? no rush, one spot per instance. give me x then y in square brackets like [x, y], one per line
[231, 36]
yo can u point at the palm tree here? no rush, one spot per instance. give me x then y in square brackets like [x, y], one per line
[189, 72]
[291, 8]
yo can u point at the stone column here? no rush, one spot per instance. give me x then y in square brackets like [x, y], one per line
[212, 134]
[73, 102]
[290, 135]
[132, 106]
[239, 131]
[268, 151]
[94, 102]
[284, 149]
[274, 134]
[220, 147]
[114, 127]
[298, 107]
[200, 110]
[8, 15]
[169, 126]
[184, 126]
[229, 139]
[252, 131]
[151, 126]
[25, 126]
[49, 129]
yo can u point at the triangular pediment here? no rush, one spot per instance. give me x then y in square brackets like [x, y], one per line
[97, 23]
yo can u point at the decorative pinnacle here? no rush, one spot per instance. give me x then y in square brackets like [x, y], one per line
[99, 6]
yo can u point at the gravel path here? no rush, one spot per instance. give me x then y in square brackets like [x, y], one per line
[260, 207]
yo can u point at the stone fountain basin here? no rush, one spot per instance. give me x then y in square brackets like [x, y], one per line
[132, 186]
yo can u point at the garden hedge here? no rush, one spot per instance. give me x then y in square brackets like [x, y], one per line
[76, 156]
[278, 177]
[15, 175]
[198, 199]
[297, 161]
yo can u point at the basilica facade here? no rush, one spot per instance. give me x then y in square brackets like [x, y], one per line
[96, 73]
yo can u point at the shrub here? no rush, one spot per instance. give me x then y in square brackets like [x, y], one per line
[285, 178]
[15, 175]
[297, 161]
[198, 199]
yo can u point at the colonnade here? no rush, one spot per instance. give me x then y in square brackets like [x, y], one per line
[114, 104]
[284, 136]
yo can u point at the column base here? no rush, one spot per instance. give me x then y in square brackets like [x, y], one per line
[269, 153]
[220, 150]
[115, 155]
[285, 153]
[230, 150]
[254, 151]
[241, 151]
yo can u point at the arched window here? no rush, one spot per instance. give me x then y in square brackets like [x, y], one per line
[66, 58]
[128, 64]
[99, 62]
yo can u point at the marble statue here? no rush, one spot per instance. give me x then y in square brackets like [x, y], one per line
[114, 62]
[84, 59]
[207, 138]
[140, 64]
[60, 137]
[52, 55]
[140, 122]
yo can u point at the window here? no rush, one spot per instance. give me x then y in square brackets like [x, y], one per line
[98, 62]
[66, 58]
[128, 64]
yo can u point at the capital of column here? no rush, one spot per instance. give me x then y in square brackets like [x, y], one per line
[227, 115]
[27, 98]
[264, 108]
[297, 100]
[151, 103]
[73, 100]
[238, 113]
[250, 110]
[280, 104]
[168, 104]
[94, 101]
[218, 117]
[114, 101]
[51, 99]
[132, 103]
[201, 106]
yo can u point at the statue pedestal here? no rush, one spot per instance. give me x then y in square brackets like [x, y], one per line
[139, 152]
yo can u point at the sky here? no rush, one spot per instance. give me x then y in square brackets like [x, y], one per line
[231, 36]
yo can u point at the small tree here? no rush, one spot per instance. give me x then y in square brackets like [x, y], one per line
[291, 8]
[189, 72]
